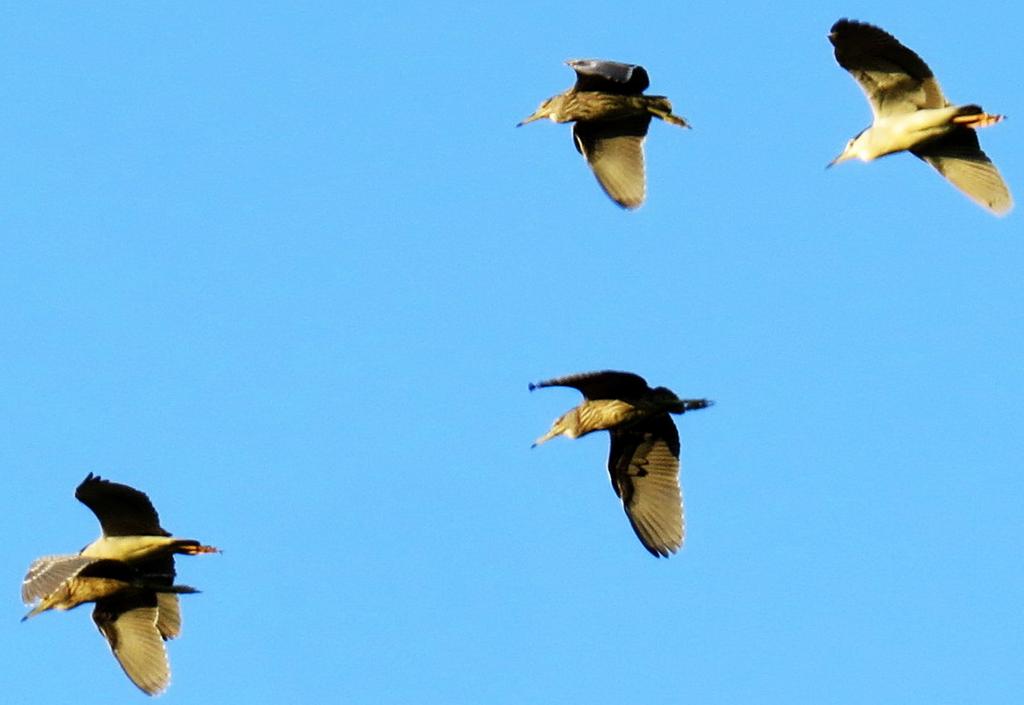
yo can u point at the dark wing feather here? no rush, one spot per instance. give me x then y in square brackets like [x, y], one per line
[607, 384]
[959, 158]
[614, 149]
[121, 510]
[644, 467]
[609, 76]
[111, 570]
[894, 78]
[159, 569]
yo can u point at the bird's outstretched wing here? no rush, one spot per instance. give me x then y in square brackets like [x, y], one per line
[607, 384]
[959, 158]
[129, 620]
[121, 510]
[614, 149]
[894, 78]
[644, 467]
[48, 573]
[609, 76]
[168, 621]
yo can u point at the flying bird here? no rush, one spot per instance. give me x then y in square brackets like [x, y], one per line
[643, 461]
[128, 573]
[912, 114]
[611, 117]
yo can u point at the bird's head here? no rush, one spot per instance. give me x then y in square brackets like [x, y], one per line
[550, 108]
[565, 425]
[57, 600]
[853, 149]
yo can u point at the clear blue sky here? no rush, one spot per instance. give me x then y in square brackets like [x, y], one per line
[290, 269]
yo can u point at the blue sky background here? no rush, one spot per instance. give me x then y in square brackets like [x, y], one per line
[289, 269]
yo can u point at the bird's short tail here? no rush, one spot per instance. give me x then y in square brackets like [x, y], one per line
[660, 106]
[176, 589]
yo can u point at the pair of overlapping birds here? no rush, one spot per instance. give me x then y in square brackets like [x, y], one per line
[128, 573]
[911, 114]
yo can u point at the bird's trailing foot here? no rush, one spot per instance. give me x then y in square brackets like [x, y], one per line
[694, 404]
[197, 549]
[676, 120]
[661, 107]
[978, 120]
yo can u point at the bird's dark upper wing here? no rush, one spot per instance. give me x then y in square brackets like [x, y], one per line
[614, 149]
[128, 620]
[609, 76]
[122, 510]
[644, 467]
[894, 78]
[959, 158]
[601, 385]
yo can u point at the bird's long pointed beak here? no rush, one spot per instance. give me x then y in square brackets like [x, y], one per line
[35, 610]
[543, 439]
[838, 160]
[536, 116]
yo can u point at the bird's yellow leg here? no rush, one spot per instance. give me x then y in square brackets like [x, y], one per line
[196, 550]
[978, 120]
[669, 117]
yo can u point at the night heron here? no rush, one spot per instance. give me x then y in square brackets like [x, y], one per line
[612, 116]
[128, 573]
[911, 114]
[644, 458]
